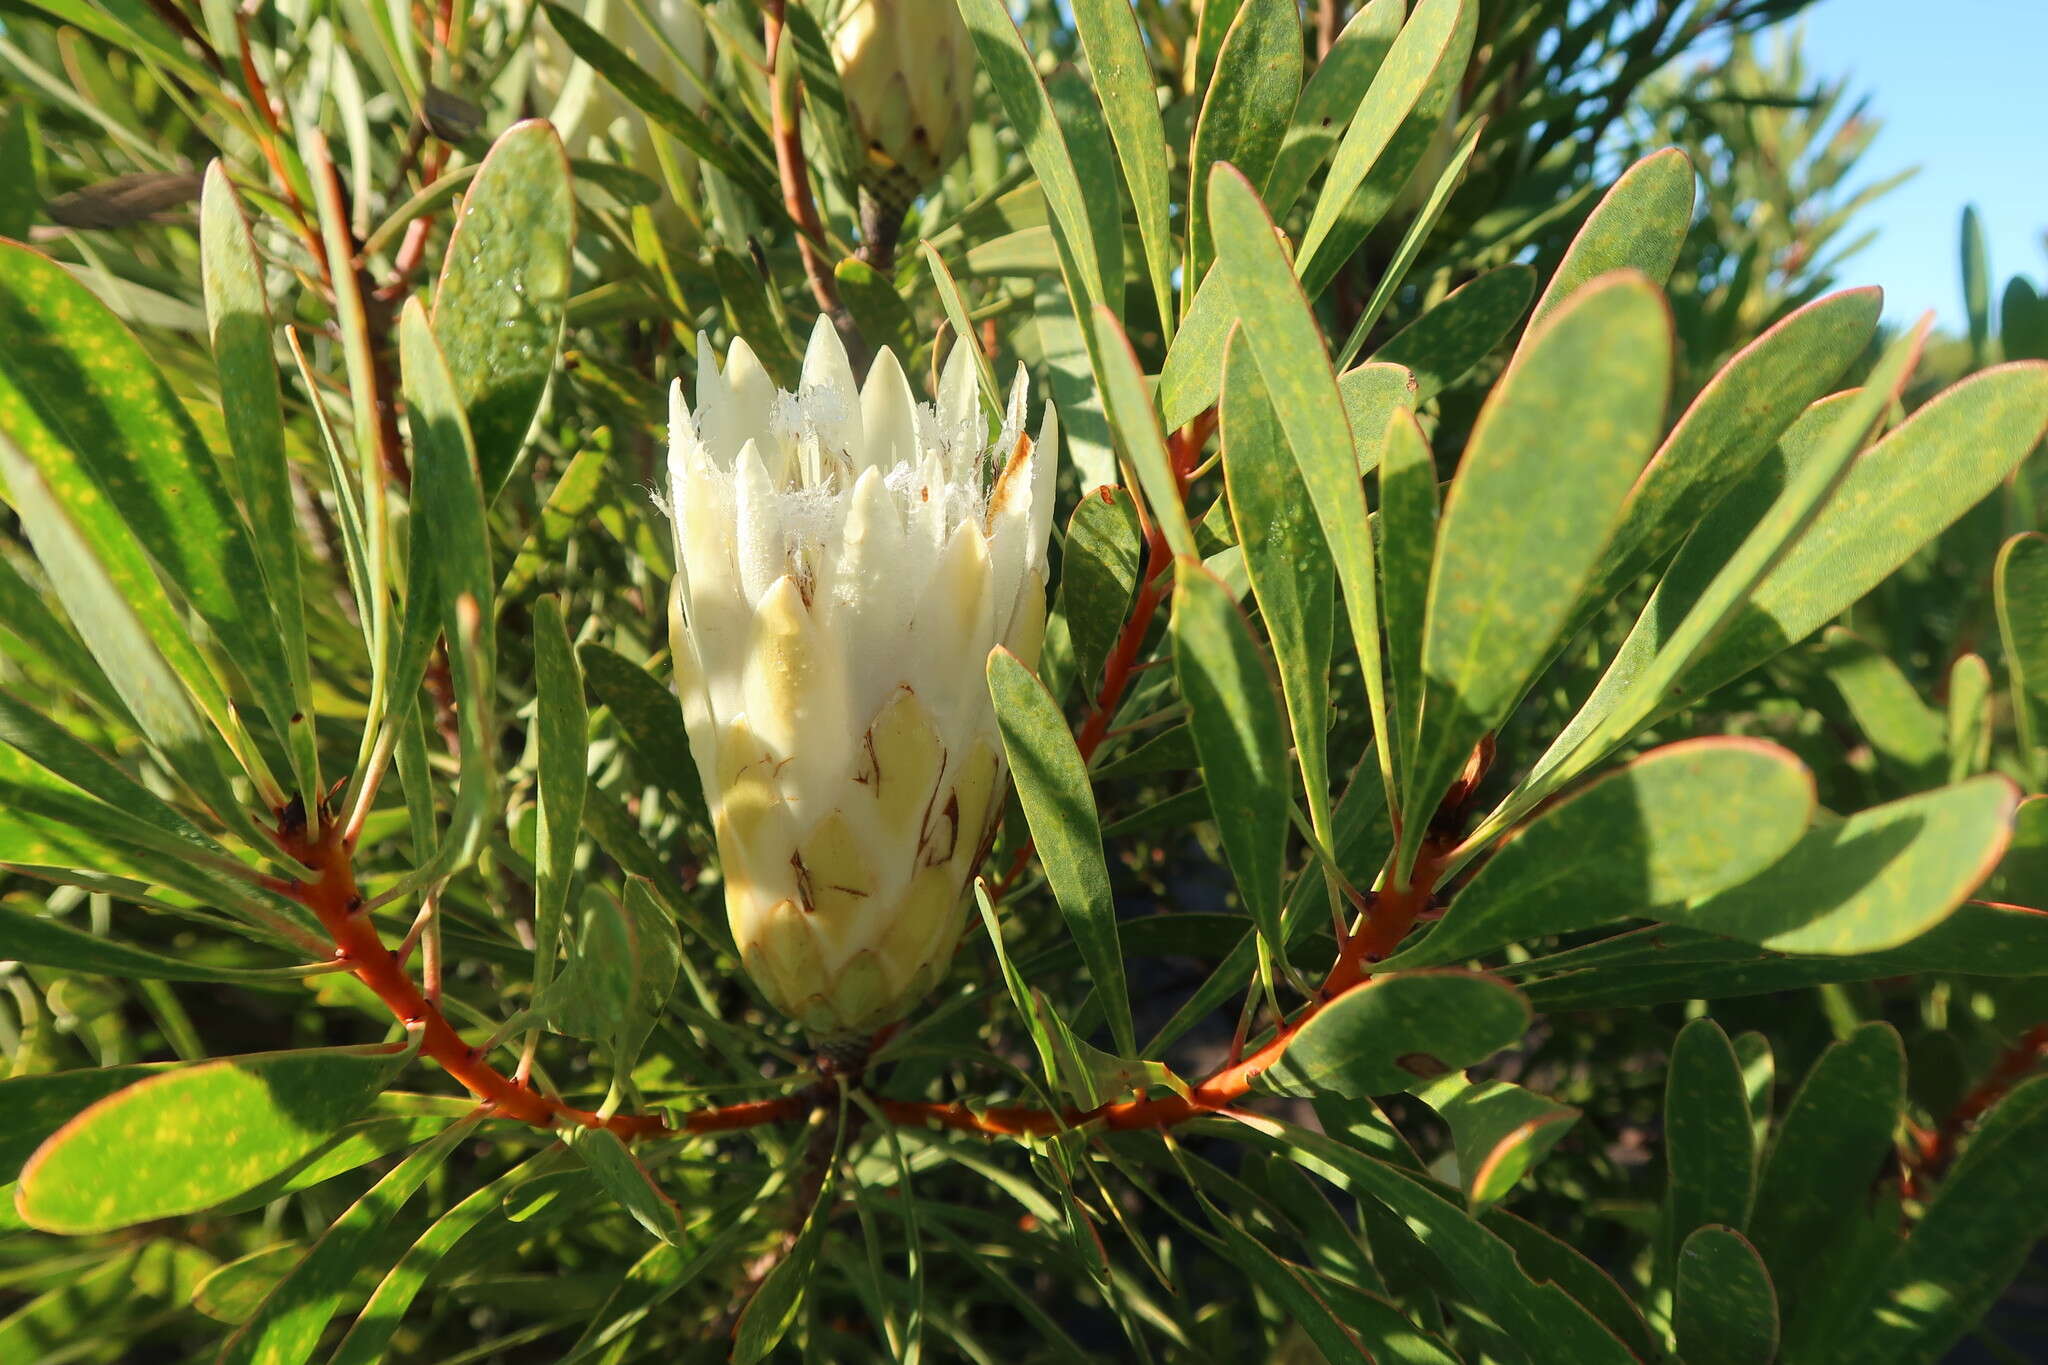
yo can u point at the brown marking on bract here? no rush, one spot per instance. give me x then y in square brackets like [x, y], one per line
[1012, 482]
[928, 845]
[803, 884]
[1421, 1064]
[871, 773]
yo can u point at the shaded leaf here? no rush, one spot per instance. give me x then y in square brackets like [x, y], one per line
[1235, 717]
[1392, 1031]
[1824, 1156]
[1677, 824]
[1286, 558]
[1725, 1312]
[1876, 880]
[1516, 544]
[1709, 1138]
[1987, 1216]
[1052, 785]
[1443, 345]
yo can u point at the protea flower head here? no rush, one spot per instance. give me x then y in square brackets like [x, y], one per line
[847, 558]
[907, 69]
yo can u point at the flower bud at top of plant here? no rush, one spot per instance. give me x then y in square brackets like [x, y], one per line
[846, 559]
[907, 69]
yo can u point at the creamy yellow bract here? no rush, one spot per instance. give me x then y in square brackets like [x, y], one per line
[907, 70]
[847, 559]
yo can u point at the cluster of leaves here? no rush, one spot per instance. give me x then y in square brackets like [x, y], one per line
[1535, 912]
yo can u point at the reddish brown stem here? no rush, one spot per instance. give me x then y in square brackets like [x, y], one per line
[1184, 449]
[333, 897]
[1935, 1149]
[786, 132]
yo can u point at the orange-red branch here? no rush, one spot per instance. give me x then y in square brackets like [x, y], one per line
[1934, 1149]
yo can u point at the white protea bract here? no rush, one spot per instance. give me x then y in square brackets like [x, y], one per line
[847, 558]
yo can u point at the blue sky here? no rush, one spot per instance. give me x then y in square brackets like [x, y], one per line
[1962, 88]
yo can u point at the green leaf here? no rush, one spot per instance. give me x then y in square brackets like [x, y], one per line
[450, 554]
[42, 639]
[1709, 1139]
[666, 108]
[1662, 964]
[1727, 563]
[1247, 107]
[1901, 728]
[105, 1304]
[1516, 543]
[20, 204]
[1876, 880]
[773, 1308]
[1052, 785]
[571, 503]
[627, 1181]
[1193, 369]
[1733, 423]
[1372, 394]
[288, 1326]
[108, 475]
[1392, 1031]
[1305, 1302]
[1825, 1155]
[1678, 824]
[1408, 517]
[1330, 99]
[33, 1107]
[191, 1138]
[1287, 559]
[49, 942]
[878, 310]
[1725, 1311]
[1546, 1257]
[1639, 224]
[1969, 717]
[2023, 321]
[63, 755]
[2023, 872]
[1433, 43]
[1097, 253]
[1131, 415]
[1899, 495]
[233, 1292]
[1235, 715]
[504, 288]
[1395, 274]
[353, 1146]
[1124, 81]
[1289, 349]
[244, 356]
[1443, 345]
[621, 974]
[561, 722]
[2020, 589]
[1541, 1317]
[1986, 1218]
[1976, 286]
[1499, 1131]
[651, 721]
[1103, 554]
[1087, 1075]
